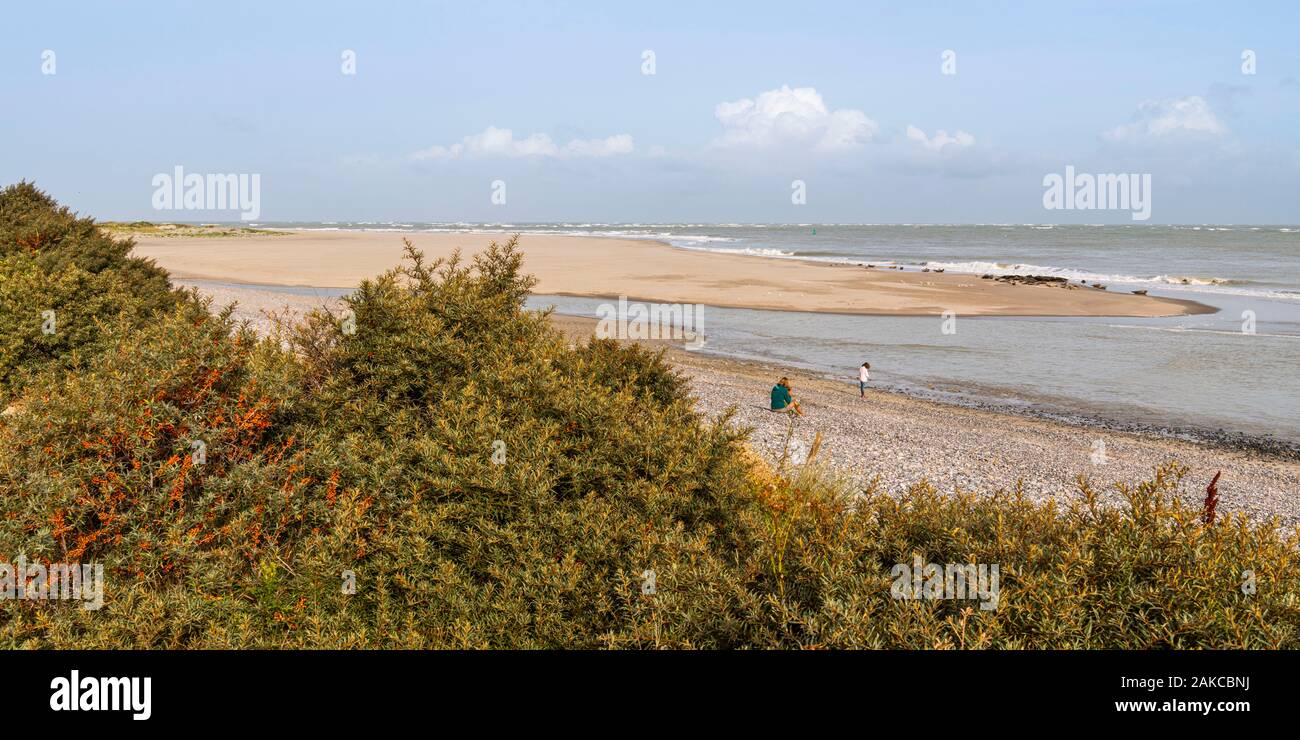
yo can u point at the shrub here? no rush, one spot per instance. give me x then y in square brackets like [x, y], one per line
[593, 484]
[51, 261]
[1144, 574]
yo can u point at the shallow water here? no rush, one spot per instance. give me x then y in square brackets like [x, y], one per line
[1199, 371]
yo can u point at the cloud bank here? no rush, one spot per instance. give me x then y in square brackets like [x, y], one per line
[501, 142]
[940, 139]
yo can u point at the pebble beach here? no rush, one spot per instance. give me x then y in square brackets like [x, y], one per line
[898, 441]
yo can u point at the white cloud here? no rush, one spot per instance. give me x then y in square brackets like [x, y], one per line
[610, 145]
[1166, 118]
[501, 142]
[788, 116]
[940, 139]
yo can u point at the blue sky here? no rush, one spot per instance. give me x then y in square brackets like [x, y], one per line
[746, 98]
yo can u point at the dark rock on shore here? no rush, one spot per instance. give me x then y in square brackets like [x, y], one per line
[1059, 282]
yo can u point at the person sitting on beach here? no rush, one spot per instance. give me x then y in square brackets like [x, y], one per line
[782, 399]
[864, 375]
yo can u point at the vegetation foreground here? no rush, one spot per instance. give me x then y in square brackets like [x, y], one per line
[482, 484]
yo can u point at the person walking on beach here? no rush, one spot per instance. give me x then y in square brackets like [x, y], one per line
[864, 375]
[783, 399]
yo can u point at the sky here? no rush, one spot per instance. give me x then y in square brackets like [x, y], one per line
[669, 112]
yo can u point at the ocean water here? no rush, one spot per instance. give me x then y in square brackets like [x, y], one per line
[1190, 375]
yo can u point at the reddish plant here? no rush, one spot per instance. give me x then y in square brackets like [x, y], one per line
[1211, 500]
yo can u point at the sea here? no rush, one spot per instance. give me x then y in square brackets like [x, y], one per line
[1231, 375]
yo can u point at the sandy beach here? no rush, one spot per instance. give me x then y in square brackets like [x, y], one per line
[643, 270]
[899, 440]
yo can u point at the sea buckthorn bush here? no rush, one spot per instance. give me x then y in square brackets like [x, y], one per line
[60, 272]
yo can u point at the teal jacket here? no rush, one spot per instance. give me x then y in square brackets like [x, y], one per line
[780, 397]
